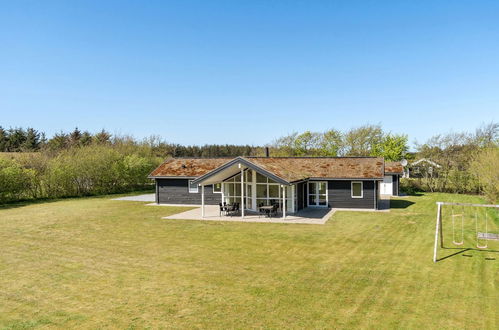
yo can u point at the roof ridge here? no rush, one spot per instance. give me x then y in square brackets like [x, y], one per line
[314, 157]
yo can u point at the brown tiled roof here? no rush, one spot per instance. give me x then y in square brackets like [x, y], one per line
[288, 168]
[188, 167]
[394, 167]
[299, 168]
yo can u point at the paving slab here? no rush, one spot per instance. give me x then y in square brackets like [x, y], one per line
[138, 198]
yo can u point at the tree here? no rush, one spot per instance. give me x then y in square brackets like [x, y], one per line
[361, 140]
[102, 137]
[305, 144]
[330, 143]
[15, 139]
[74, 138]
[3, 139]
[392, 147]
[86, 138]
[284, 146]
[487, 135]
[32, 141]
[486, 168]
[59, 141]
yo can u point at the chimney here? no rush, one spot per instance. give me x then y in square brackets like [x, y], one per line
[267, 152]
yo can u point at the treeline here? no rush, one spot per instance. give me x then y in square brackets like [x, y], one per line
[367, 140]
[31, 140]
[468, 163]
[79, 163]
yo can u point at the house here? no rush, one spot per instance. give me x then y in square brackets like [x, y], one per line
[296, 182]
[391, 181]
[422, 168]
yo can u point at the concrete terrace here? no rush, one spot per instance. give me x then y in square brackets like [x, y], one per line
[316, 216]
[311, 216]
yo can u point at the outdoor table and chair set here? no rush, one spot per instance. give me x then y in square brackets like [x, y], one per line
[234, 209]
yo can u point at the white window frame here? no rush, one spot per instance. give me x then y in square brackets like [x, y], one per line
[191, 190]
[316, 193]
[361, 189]
[217, 192]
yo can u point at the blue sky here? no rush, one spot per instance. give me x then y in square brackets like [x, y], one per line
[242, 72]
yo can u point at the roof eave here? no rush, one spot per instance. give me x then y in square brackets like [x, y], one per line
[171, 177]
[335, 178]
[248, 164]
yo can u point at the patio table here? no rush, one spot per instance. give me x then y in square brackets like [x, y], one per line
[267, 209]
[228, 207]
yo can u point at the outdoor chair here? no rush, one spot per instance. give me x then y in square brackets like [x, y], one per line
[223, 209]
[233, 210]
[274, 210]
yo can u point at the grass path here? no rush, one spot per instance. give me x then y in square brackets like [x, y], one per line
[98, 263]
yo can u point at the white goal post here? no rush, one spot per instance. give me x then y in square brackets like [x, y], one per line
[438, 226]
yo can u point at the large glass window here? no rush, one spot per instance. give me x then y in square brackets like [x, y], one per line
[229, 188]
[264, 192]
[249, 176]
[261, 178]
[261, 191]
[273, 191]
[232, 190]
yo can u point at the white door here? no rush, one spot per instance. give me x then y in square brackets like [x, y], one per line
[317, 193]
[387, 185]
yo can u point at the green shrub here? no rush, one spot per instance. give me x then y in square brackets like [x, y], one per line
[78, 171]
[409, 186]
[14, 180]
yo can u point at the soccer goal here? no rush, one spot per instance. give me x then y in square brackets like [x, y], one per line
[466, 226]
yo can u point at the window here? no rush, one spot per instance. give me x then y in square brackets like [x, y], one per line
[260, 178]
[217, 188]
[357, 190]
[193, 188]
[317, 193]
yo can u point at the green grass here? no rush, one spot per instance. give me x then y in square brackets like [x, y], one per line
[98, 263]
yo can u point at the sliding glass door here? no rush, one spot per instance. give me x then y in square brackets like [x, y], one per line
[317, 193]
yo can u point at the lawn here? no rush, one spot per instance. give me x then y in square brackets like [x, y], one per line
[99, 263]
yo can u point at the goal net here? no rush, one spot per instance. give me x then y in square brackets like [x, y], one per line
[466, 226]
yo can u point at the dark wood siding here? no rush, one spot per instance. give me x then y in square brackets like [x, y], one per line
[340, 195]
[176, 191]
[377, 185]
[300, 189]
[395, 185]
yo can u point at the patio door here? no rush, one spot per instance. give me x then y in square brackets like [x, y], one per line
[317, 193]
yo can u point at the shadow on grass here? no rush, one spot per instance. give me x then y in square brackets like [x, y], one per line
[400, 203]
[463, 250]
[17, 204]
[412, 193]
